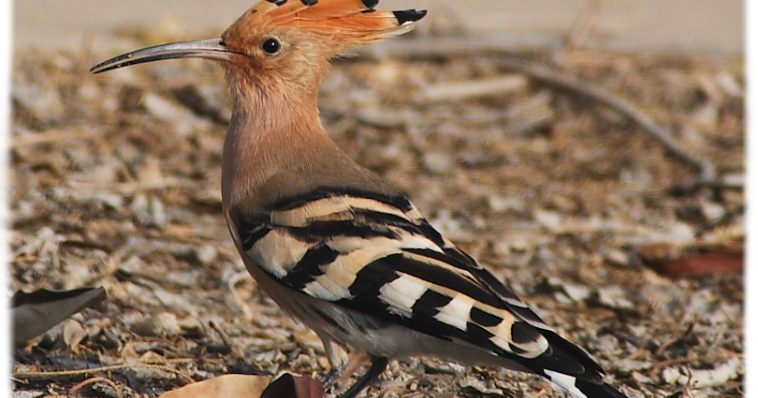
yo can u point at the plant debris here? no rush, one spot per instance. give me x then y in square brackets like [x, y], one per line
[115, 183]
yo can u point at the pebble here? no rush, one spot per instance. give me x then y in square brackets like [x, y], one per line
[42, 100]
[163, 324]
[614, 297]
[616, 257]
[206, 254]
[437, 162]
[548, 219]
[158, 216]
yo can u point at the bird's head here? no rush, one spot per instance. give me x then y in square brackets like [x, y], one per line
[283, 45]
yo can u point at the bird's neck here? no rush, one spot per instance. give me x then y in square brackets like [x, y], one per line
[269, 134]
[276, 147]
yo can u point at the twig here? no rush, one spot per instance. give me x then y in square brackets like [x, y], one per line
[125, 188]
[577, 35]
[79, 372]
[471, 89]
[640, 352]
[677, 361]
[54, 136]
[75, 388]
[17, 259]
[541, 73]
[19, 381]
[231, 285]
[540, 393]
[679, 337]
[165, 361]
[224, 337]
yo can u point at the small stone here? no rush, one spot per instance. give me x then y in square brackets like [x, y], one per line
[163, 109]
[616, 257]
[437, 162]
[640, 378]
[548, 219]
[712, 211]
[150, 172]
[614, 297]
[158, 216]
[73, 333]
[206, 254]
[42, 100]
[729, 84]
[504, 203]
[163, 324]
[577, 293]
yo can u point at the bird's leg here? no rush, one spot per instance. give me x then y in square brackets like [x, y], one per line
[338, 359]
[378, 365]
[335, 373]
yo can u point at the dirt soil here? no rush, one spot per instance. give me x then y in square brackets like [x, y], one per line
[115, 182]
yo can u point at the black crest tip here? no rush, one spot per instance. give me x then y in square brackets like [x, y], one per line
[408, 16]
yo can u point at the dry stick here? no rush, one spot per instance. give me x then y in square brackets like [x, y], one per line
[540, 393]
[224, 337]
[707, 172]
[677, 361]
[66, 373]
[54, 136]
[471, 89]
[580, 31]
[126, 188]
[76, 388]
[21, 259]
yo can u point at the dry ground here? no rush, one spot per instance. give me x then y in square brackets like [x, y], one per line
[115, 183]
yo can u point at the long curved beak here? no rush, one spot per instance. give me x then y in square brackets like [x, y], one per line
[208, 49]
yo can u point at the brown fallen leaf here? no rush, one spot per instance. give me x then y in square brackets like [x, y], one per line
[692, 261]
[36, 312]
[228, 386]
[289, 386]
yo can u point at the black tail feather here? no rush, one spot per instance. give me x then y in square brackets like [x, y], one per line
[592, 390]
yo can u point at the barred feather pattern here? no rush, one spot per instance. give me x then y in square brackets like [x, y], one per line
[375, 254]
[357, 18]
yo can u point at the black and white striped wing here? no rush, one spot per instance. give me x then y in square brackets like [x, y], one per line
[376, 254]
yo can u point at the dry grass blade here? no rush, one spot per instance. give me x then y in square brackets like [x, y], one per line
[126, 188]
[69, 373]
[77, 387]
[53, 136]
[21, 259]
[471, 89]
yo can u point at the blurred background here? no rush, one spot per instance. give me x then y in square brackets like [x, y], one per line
[642, 25]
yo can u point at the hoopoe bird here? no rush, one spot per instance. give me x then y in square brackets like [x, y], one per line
[330, 241]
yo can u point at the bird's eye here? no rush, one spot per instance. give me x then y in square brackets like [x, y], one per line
[271, 46]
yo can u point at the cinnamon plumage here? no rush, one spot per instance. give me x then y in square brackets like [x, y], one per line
[330, 241]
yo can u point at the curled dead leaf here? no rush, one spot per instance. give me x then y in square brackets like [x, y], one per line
[227, 386]
[694, 260]
[36, 312]
[289, 386]
[247, 386]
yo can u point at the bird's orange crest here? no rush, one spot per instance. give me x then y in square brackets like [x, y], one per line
[355, 22]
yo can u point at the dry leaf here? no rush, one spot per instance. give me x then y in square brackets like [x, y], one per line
[289, 386]
[228, 386]
[698, 260]
[34, 313]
